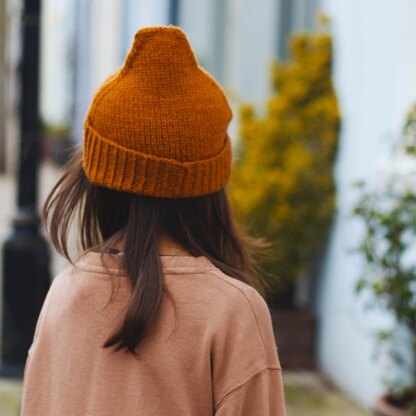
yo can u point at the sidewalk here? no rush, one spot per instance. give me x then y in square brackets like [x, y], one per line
[307, 394]
[10, 397]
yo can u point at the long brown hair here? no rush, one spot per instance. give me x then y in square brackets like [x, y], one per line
[202, 225]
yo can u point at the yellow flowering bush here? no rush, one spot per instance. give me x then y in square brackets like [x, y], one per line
[282, 183]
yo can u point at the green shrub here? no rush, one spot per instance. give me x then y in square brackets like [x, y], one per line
[282, 184]
[388, 250]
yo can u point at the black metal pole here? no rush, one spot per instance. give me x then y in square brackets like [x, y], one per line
[26, 276]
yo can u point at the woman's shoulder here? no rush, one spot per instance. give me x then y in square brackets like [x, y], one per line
[237, 289]
[231, 297]
[244, 317]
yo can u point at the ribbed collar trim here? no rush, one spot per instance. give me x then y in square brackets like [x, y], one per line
[112, 263]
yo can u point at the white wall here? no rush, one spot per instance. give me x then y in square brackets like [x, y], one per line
[56, 61]
[3, 74]
[196, 17]
[375, 64]
[253, 36]
[106, 36]
[11, 86]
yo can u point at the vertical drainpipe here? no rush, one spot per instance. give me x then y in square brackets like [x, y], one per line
[220, 15]
[285, 25]
[173, 12]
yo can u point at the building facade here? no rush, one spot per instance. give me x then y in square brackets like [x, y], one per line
[375, 63]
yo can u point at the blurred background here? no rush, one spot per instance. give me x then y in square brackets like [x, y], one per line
[323, 131]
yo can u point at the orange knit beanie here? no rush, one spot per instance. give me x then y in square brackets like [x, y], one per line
[158, 126]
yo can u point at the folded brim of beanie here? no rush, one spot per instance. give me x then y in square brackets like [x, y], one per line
[116, 167]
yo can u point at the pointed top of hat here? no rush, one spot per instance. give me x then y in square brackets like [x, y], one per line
[171, 42]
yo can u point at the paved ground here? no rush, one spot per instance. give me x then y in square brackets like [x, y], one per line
[307, 394]
[10, 397]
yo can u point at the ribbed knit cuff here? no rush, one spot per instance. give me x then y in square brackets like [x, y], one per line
[113, 166]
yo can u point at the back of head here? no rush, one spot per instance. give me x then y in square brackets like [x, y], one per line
[155, 160]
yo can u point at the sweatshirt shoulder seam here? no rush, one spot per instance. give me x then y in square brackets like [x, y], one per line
[97, 269]
[249, 302]
[238, 385]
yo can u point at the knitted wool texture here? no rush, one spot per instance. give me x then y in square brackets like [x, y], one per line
[158, 125]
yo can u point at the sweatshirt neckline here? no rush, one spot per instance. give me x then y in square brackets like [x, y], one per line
[111, 263]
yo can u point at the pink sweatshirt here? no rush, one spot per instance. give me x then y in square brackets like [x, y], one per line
[219, 359]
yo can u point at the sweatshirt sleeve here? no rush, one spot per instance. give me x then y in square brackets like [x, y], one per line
[260, 395]
[246, 371]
